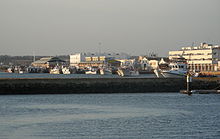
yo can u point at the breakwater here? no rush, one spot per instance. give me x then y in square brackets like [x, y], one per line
[98, 85]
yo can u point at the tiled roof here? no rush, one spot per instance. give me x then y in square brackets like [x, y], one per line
[48, 59]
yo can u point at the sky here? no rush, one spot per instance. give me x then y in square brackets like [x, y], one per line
[137, 27]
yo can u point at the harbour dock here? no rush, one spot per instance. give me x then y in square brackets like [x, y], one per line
[10, 86]
[201, 91]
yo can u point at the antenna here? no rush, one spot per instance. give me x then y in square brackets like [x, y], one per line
[33, 56]
[192, 44]
[100, 48]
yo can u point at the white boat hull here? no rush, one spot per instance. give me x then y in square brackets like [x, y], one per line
[65, 71]
[105, 72]
[172, 74]
[55, 71]
[91, 72]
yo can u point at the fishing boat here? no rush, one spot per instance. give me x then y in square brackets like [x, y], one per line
[10, 70]
[55, 70]
[104, 71]
[127, 72]
[123, 72]
[65, 70]
[91, 70]
[178, 68]
[18, 69]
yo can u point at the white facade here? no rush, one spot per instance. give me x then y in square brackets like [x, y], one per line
[127, 62]
[75, 59]
[201, 58]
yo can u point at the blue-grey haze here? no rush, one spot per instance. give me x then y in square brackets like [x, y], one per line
[54, 27]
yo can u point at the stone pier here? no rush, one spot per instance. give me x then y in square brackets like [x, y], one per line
[98, 85]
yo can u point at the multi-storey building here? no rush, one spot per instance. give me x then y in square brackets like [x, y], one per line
[205, 57]
[78, 58]
[75, 59]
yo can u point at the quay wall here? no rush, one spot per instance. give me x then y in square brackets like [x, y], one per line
[98, 85]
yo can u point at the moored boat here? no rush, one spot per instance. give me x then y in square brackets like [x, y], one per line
[10, 70]
[91, 72]
[65, 70]
[55, 70]
[127, 72]
[177, 69]
[104, 71]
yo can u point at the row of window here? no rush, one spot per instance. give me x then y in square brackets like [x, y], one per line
[191, 54]
[213, 59]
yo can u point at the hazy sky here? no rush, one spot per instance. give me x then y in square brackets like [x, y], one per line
[55, 27]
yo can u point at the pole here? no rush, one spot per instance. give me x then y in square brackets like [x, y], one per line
[33, 56]
[188, 80]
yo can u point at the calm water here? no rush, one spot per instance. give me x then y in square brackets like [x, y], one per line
[110, 116]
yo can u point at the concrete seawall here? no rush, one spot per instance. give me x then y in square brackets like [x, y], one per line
[98, 85]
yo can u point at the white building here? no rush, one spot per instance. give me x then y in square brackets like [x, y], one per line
[205, 57]
[77, 58]
[127, 62]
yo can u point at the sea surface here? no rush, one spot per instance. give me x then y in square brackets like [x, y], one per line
[110, 116]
